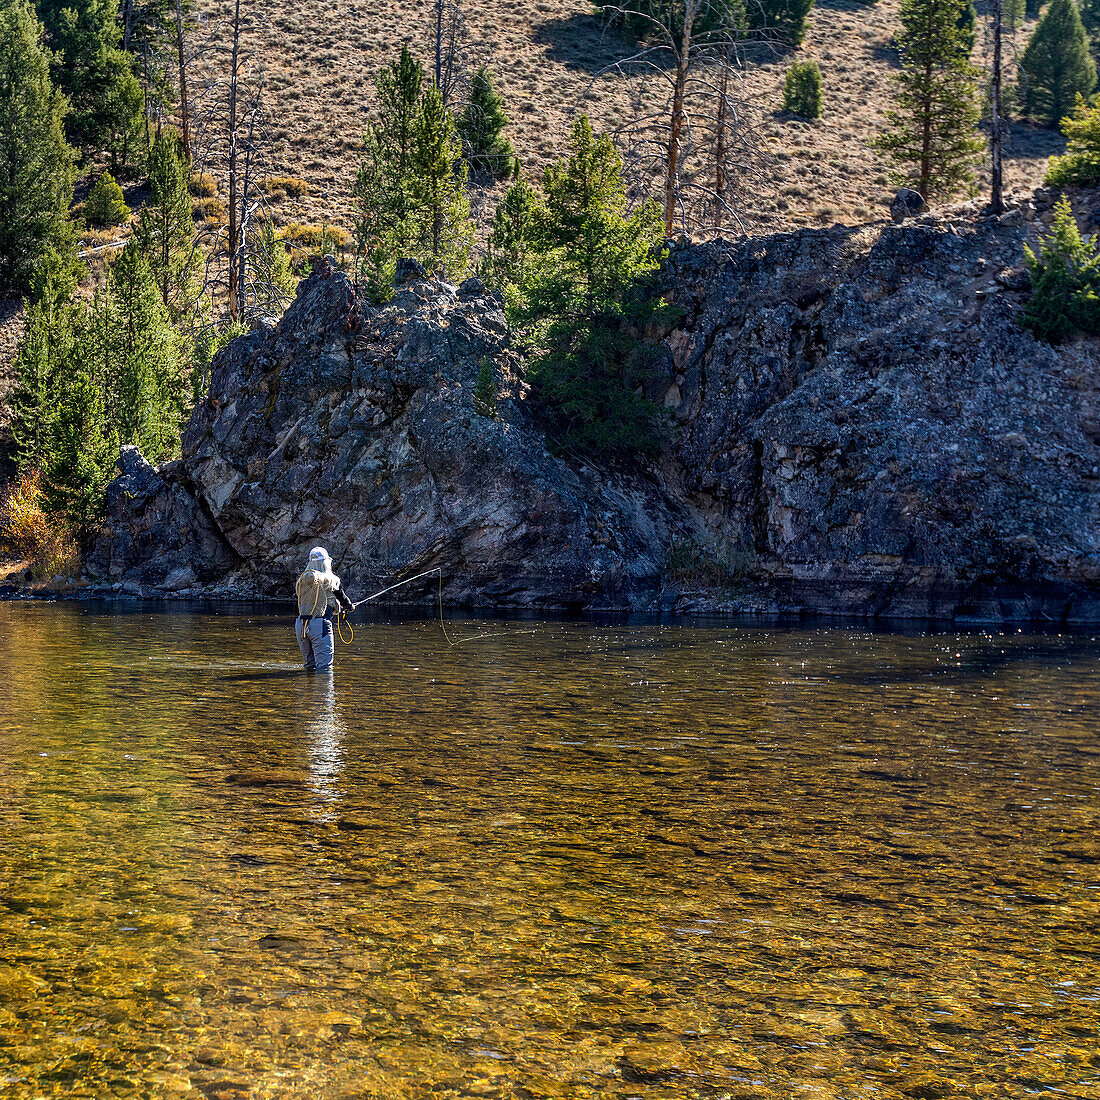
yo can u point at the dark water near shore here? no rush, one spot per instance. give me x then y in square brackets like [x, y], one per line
[562, 860]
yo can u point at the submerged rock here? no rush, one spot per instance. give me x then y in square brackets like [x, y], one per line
[861, 428]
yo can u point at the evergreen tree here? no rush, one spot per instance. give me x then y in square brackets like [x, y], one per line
[80, 457]
[784, 20]
[144, 382]
[96, 75]
[44, 355]
[36, 163]
[509, 246]
[933, 134]
[802, 89]
[381, 193]
[1056, 66]
[1090, 17]
[590, 254]
[1081, 163]
[485, 391]
[1065, 280]
[967, 24]
[444, 231]
[166, 229]
[105, 204]
[646, 19]
[480, 126]
[271, 281]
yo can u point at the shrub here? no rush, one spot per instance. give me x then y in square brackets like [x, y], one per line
[1065, 278]
[105, 204]
[1081, 163]
[783, 20]
[202, 184]
[802, 89]
[485, 392]
[26, 530]
[307, 243]
[210, 209]
[480, 125]
[288, 185]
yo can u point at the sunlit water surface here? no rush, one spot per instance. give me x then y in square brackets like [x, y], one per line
[560, 860]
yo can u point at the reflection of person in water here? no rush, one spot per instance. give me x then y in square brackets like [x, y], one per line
[318, 592]
[325, 731]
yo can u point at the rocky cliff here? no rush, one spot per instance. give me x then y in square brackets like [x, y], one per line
[859, 427]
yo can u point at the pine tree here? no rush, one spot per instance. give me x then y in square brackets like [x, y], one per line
[96, 75]
[802, 89]
[933, 126]
[590, 253]
[36, 163]
[105, 204]
[80, 457]
[1081, 163]
[381, 192]
[144, 383]
[646, 20]
[45, 353]
[1065, 280]
[509, 245]
[1057, 65]
[271, 281]
[480, 126]
[485, 390]
[967, 24]
[444, 232]
[166, 229]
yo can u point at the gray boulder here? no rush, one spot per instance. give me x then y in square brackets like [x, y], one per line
[907, 204]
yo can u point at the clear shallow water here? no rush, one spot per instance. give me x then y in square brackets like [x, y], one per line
[565, 860]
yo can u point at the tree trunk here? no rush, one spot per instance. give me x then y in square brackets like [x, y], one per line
[676, 122]
[234, 222]
[720, 178]
[185, 107]
[439, 44]
[926, 132]
[127, 23]
[997, 203]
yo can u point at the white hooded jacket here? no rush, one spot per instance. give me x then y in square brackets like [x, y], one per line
[318, 588]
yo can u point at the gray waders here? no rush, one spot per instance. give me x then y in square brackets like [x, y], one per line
[315, 641]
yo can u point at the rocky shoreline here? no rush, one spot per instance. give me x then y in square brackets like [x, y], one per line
[859, 428]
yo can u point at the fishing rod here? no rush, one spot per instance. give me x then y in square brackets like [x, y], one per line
[408, 580]
[342, 618]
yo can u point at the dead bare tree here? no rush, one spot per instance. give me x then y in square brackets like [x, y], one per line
[230, 142]
[691, 126]
[997, 202]
[451, 44]
[185, 103]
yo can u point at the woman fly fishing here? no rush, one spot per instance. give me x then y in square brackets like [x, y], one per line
[318, 591]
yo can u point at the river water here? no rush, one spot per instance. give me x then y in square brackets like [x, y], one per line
[561, 859]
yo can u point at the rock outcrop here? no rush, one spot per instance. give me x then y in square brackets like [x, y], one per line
[861, 427]
[357, 428]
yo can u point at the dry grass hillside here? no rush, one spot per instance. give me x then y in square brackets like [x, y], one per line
[320, 57]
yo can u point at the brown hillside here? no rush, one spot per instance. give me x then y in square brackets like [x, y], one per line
[320, 57]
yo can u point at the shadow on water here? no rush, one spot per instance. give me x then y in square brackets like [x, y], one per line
[258, 677]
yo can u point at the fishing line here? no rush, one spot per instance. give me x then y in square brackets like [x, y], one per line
[452, 642]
